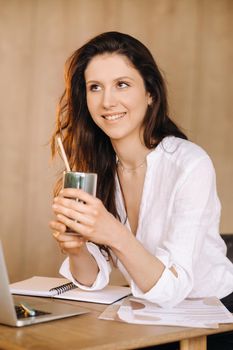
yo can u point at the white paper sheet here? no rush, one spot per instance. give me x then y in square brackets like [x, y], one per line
[199, 313]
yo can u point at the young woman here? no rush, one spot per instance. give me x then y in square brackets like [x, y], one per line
[156, 214]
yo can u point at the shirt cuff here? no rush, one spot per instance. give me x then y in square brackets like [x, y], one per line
[160, 293]
[166, 292]
[102, 278]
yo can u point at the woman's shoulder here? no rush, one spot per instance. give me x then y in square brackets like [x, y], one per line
[176, 145]
[183, 153]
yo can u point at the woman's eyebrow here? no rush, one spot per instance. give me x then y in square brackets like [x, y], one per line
[116, 79]
[123, 78]
[92, 82]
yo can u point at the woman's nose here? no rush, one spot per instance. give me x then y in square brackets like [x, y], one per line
[109, 99]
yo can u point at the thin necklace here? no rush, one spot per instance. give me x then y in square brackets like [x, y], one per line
[141, 165]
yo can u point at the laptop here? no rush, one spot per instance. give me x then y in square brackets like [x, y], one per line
[14, 310]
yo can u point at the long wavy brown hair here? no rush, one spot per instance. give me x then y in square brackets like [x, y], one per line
[87, 147]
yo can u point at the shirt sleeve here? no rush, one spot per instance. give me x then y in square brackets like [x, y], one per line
[196, 207]
[102, 278]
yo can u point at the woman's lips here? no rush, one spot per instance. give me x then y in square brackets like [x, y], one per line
[114, 116]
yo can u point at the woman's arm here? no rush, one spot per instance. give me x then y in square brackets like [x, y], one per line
[144, 268]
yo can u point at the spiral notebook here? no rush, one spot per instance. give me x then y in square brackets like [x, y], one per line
[62, 288]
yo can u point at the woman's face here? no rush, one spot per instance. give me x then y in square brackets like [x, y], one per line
[116, 96]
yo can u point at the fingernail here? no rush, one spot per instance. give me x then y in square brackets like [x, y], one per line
[56, 233]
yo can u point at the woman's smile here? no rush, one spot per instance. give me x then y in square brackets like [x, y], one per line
[114, 116]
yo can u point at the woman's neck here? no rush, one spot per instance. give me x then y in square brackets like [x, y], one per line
[130, 155]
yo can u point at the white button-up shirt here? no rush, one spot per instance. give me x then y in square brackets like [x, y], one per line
[179, 224]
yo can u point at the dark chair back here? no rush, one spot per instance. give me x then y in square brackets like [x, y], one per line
[228, 238]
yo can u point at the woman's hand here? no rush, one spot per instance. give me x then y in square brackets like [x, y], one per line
[85, 215]
[68, 243]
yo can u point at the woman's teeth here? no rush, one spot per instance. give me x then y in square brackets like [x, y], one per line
[114, 116]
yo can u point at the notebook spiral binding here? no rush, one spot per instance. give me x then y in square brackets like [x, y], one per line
[63, 288]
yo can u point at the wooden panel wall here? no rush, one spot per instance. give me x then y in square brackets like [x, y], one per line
[192, 43]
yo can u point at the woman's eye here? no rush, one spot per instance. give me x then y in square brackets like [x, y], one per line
[122, 84]
[95, 87]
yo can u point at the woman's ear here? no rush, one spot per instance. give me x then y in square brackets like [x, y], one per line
[150, 100]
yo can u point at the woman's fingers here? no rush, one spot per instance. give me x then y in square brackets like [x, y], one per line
[68, 243]
[76, 193]
[75, 215]
[75, 226]
[73, 204]
[85, 218]
[57, 226]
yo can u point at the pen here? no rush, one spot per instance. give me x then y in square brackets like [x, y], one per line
[27, 309]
